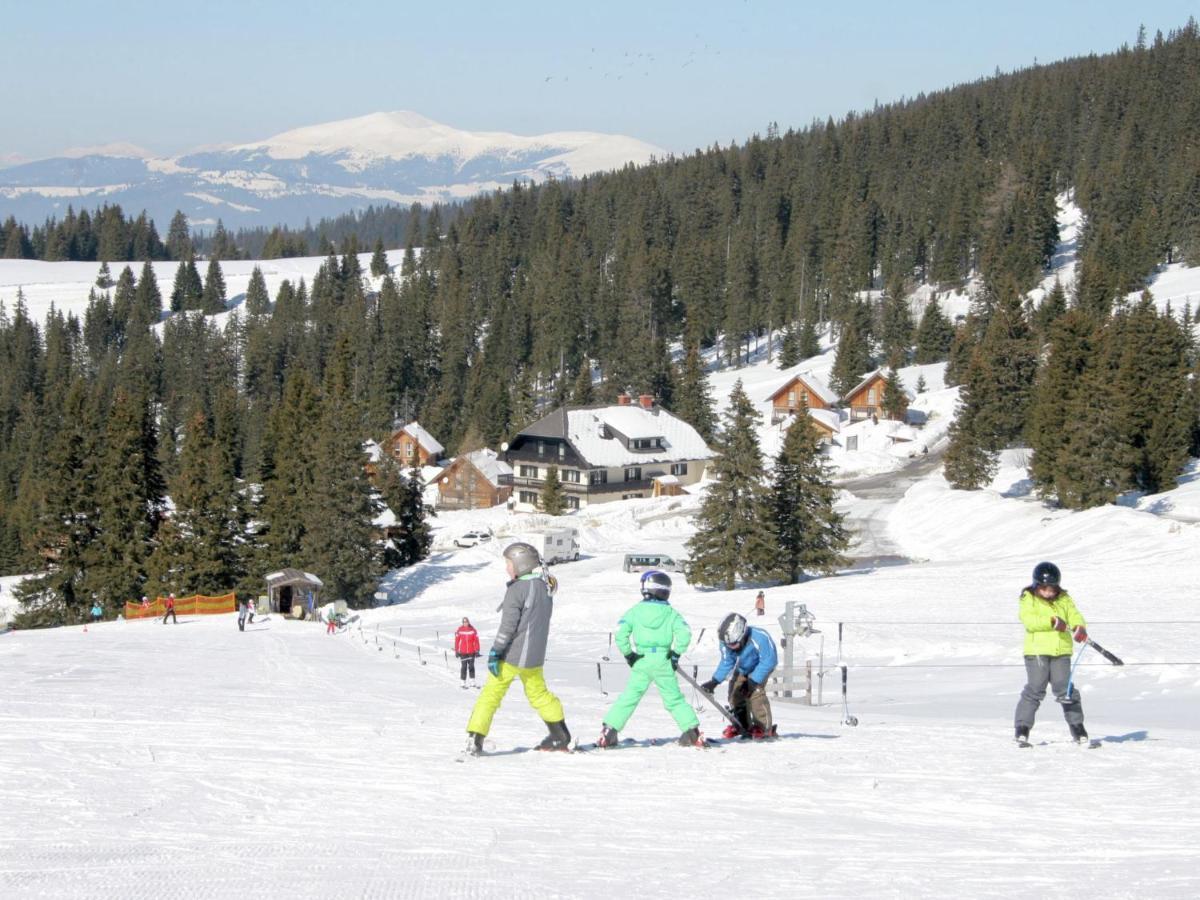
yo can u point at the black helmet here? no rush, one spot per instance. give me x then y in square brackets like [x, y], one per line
[524, 557]
[1046, 573]
[656, 584]
[732, 630]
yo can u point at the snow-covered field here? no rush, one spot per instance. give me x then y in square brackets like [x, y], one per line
[143, 760]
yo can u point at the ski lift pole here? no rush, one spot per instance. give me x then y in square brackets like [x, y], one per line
[847, 718]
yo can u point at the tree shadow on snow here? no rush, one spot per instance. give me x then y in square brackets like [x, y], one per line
[403, 585]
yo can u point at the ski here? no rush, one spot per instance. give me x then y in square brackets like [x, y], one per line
[1111, 657]
[721, 708]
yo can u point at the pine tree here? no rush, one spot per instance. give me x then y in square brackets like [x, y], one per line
[934, 335]
[582, 392]
[969, 463]
[179, 238]
[1055, 390]
[104, 279]
[212, 298]
[789, 349]
[852, 359]
[553, 499]
[810, 535]
[411, 537]
[147, 301]
[379, 263]
[895, 401]
[732, 532]
[188, 289]
[258, 299]
[693, 402]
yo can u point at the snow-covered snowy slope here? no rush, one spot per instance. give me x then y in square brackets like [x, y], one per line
[192, 760]
[304, 174]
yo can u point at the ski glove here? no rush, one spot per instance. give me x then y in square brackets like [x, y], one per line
[1080, 634]
[1057, 624]
[494, 662]
[709, 686]
[674, 658]
[632, 658]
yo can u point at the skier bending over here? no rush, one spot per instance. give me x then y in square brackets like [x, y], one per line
[519, 651]
[466, 648]
[750, 654]
[661, 636]
[1047, 612]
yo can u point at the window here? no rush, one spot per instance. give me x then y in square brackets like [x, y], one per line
[529, 471]
[678, 468]
[792, 397]
[871, 397]
[572, 502]
[633, 473]
[631, 496]
[571, 475]
[852, 442]
[562, 451]
[598, 476]
[541, 448]
[529, 497]
[645, 443]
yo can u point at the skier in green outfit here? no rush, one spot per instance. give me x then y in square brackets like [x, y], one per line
[660, 636]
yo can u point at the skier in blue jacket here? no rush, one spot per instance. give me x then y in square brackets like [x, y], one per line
[750, 654]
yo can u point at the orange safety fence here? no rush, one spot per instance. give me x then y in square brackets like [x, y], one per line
[196, 605]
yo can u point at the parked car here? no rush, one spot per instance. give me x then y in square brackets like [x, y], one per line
[642, 562]
[472, 538]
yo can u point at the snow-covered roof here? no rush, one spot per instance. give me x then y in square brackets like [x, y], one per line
[423, 437]
[286, 575]
[813, 383]
[827, 417]
[586, 432]
[489, 464]
[867, 379]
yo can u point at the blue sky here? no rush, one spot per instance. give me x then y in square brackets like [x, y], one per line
[682, 75]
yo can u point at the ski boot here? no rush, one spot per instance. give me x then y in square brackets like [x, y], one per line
[692, 738]
[1078, 733]
[731, 731]
[1021, 736]
[474, 744]
[559, 737]
[608, 737]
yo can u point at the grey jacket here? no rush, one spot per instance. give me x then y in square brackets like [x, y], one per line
[524, 622]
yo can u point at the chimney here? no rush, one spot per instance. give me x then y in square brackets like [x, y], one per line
[623, 399]
[646, 400]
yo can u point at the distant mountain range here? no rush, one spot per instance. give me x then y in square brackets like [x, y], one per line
[308, 173]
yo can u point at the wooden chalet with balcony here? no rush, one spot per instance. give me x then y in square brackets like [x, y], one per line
[412, 445]
[865, 400]
[606, 452]
[803, 389]
[475, 480]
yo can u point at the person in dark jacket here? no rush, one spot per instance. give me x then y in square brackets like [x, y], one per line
[243, 610]
[750, 655]
[466, 648]
[519, 651]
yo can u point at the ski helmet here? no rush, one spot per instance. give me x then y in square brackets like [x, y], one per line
[656, 584]
[732, 630]
[1046, 573]
[524, 557]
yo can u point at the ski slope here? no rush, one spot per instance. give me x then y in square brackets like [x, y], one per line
[191, 760]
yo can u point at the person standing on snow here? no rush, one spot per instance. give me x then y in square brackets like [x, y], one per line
[660, 636]
[97, 611]
[250, 611]
[750, 654]
[170, 610]
[243, 609]
[1051, 621]
[466, 648]
[519, 651]
[760, 604]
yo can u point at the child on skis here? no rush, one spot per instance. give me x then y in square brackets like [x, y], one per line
[652, 636]
[519, 651]
[1051, 621]
[466, 648]
[750, 654]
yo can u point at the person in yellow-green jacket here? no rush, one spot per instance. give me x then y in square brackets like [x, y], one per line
[1051, 621]
[652, 636]
[519, 651]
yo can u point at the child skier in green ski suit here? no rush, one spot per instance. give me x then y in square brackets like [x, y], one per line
[661, 636]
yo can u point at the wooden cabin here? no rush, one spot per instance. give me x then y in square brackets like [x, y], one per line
[475, 480]
[866, 398]
[412, 445]
[798, 391]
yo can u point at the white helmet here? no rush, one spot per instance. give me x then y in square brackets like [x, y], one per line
[732, 630]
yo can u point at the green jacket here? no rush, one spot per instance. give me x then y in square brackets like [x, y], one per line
[1040, 638]
[655, 627]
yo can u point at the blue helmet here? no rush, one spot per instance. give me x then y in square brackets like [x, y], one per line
[656, 585]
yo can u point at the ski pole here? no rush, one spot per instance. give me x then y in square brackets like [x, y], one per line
[609, 650]
[1111, 657]
[847, 718]
[600, 678]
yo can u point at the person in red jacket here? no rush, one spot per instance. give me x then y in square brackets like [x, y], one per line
[170, 610]
[466, 648]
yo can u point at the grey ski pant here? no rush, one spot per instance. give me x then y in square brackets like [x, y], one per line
[1055, 671]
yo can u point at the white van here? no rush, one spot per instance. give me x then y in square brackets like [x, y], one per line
[643, 562]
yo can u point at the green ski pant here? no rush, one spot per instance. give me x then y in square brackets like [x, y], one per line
[653, 667]
[544, 703]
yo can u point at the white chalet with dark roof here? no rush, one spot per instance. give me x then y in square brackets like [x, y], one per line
[607, 453]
